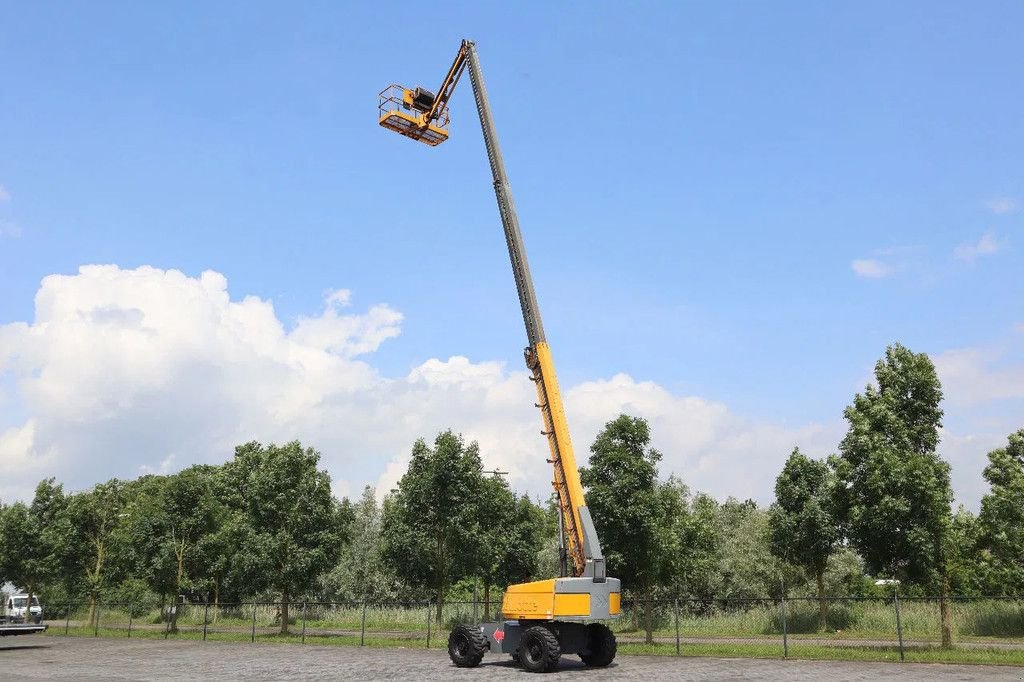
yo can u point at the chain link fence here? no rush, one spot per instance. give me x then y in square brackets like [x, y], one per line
[986, 629]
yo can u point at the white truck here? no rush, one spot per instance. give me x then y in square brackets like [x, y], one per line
[18, 617]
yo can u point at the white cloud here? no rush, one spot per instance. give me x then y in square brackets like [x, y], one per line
[973, 377]
[15, 442]
[986, 246]
[149, 370]
[4, 194]
[166, 466]
[122, 368]
[871, 268]
[341, 298]
[966, 454]
[1002, 205]
[123, 371]
[984, 403]
[347, 335]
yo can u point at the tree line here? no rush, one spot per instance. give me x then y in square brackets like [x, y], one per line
[265, 525]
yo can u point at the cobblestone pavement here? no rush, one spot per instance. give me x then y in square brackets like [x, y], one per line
[38, 658]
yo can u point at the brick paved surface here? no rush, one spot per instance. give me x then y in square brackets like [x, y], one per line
[49, 658]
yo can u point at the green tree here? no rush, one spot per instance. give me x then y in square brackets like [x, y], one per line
[138, 547]
[24, 556]
[747, 569]
[293, 527]
[85, 536]
[218, 554]
[219, 558]
[629, 508]
[896, 496]
[969, 573]
[695, 541]
[361, 574]
[511, 531]
[1001, 521]
[804, 530]
[431, 521]
[189, 512]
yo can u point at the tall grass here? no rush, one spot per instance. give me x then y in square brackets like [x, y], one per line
[867, 618]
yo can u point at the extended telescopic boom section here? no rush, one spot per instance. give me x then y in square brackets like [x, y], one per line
[418, 114]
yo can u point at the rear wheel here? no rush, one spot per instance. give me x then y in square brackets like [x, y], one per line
[601, 646]
[466, 646]
[540, 650]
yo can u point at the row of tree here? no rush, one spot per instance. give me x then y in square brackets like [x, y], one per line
[887, 495]
[265, 524]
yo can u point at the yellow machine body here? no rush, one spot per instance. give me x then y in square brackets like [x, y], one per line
[546, 600]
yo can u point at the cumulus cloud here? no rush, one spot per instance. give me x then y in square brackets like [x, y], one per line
[971, 251]
[984, 402]
[148, 370]
[974, 377]
[871, 268]
[122, 369]
[1002, 205]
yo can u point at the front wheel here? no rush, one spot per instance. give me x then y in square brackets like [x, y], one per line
[540, 650]
[601, 646]
[466, 646]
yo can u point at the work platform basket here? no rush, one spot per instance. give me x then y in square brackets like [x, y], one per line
[396, 112]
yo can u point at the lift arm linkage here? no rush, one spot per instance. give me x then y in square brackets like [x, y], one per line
[451, 79]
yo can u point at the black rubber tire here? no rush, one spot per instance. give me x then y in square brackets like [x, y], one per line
[467, 646]
[516, 660]
[539, 651]
[601, 646]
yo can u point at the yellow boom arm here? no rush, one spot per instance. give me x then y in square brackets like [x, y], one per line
[582, 547]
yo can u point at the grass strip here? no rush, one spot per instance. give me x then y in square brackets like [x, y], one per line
[755, 649]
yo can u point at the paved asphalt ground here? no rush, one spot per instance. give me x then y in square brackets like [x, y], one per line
[50, 658]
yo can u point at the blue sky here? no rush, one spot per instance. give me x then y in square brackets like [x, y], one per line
[740, 202]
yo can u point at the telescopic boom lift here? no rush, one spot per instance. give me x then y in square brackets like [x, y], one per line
[540, 620]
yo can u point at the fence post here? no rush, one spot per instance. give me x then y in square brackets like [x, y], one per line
[67, 622]
[899, 627]
[206, 616]
[131, 617]
[96, 622]
[785, 634]
[428, 624]
[677, 626]
[252, 640]
[362, 626]
[303, 622]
